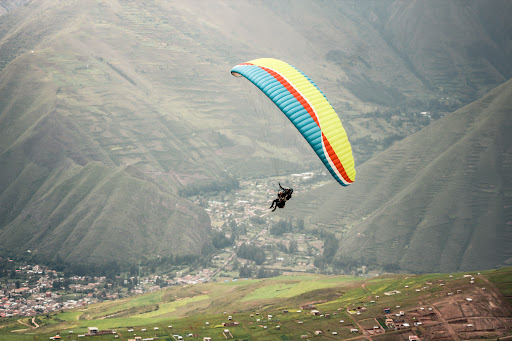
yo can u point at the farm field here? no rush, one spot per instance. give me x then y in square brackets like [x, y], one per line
[455, 306]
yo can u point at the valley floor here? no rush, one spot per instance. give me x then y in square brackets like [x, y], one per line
[464, 306]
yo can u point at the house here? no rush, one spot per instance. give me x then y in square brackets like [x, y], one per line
[207, 338]
[387, 310]
[92, 330]
[315, 312]
[318, 332]
[414, 338]
[402, 325]
[21, 290]
[307, 307]
[230, 324]
[354, 330]
[390, 324]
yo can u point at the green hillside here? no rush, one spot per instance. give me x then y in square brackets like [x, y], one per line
[438, 200]
[433, 305]
[109, 108]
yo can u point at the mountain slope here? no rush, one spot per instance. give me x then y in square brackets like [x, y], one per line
[64, 197]
[460, 55]
[440, 199]
[109, 108]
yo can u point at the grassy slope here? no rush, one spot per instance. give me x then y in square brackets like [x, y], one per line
[187, 308]
[438, 200]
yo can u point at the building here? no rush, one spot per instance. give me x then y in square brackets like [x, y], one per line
[92, 330]
[307, 307]
[229, 324]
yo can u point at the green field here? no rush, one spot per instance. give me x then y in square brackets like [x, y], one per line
[201, 309]
[502, 278]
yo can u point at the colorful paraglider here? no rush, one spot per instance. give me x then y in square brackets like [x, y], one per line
[308, 110]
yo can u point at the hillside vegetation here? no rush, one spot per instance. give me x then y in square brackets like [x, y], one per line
[109, 109]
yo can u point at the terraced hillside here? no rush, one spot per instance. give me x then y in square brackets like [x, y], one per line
[441, 199]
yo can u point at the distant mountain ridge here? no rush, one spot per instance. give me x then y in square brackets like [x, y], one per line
[108, 109]
[439, 200]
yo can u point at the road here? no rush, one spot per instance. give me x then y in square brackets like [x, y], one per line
[233, 254]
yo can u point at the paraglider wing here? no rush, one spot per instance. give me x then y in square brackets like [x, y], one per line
[307, 108]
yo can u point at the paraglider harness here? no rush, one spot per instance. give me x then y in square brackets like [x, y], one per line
[283, 195]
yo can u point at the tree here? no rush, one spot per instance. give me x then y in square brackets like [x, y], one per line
[66, 283]
[280, 228]
[251, 252]
[293, 247]
[56, 284]
[300, 224]
[319, 262]
[236, 264]
[265, 273]
[234, 231]
[281, 247]
[261, 273]
[245, 271]
[219, 240]
[330, 248]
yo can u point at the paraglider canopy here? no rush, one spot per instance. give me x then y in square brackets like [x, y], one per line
[307, 108]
